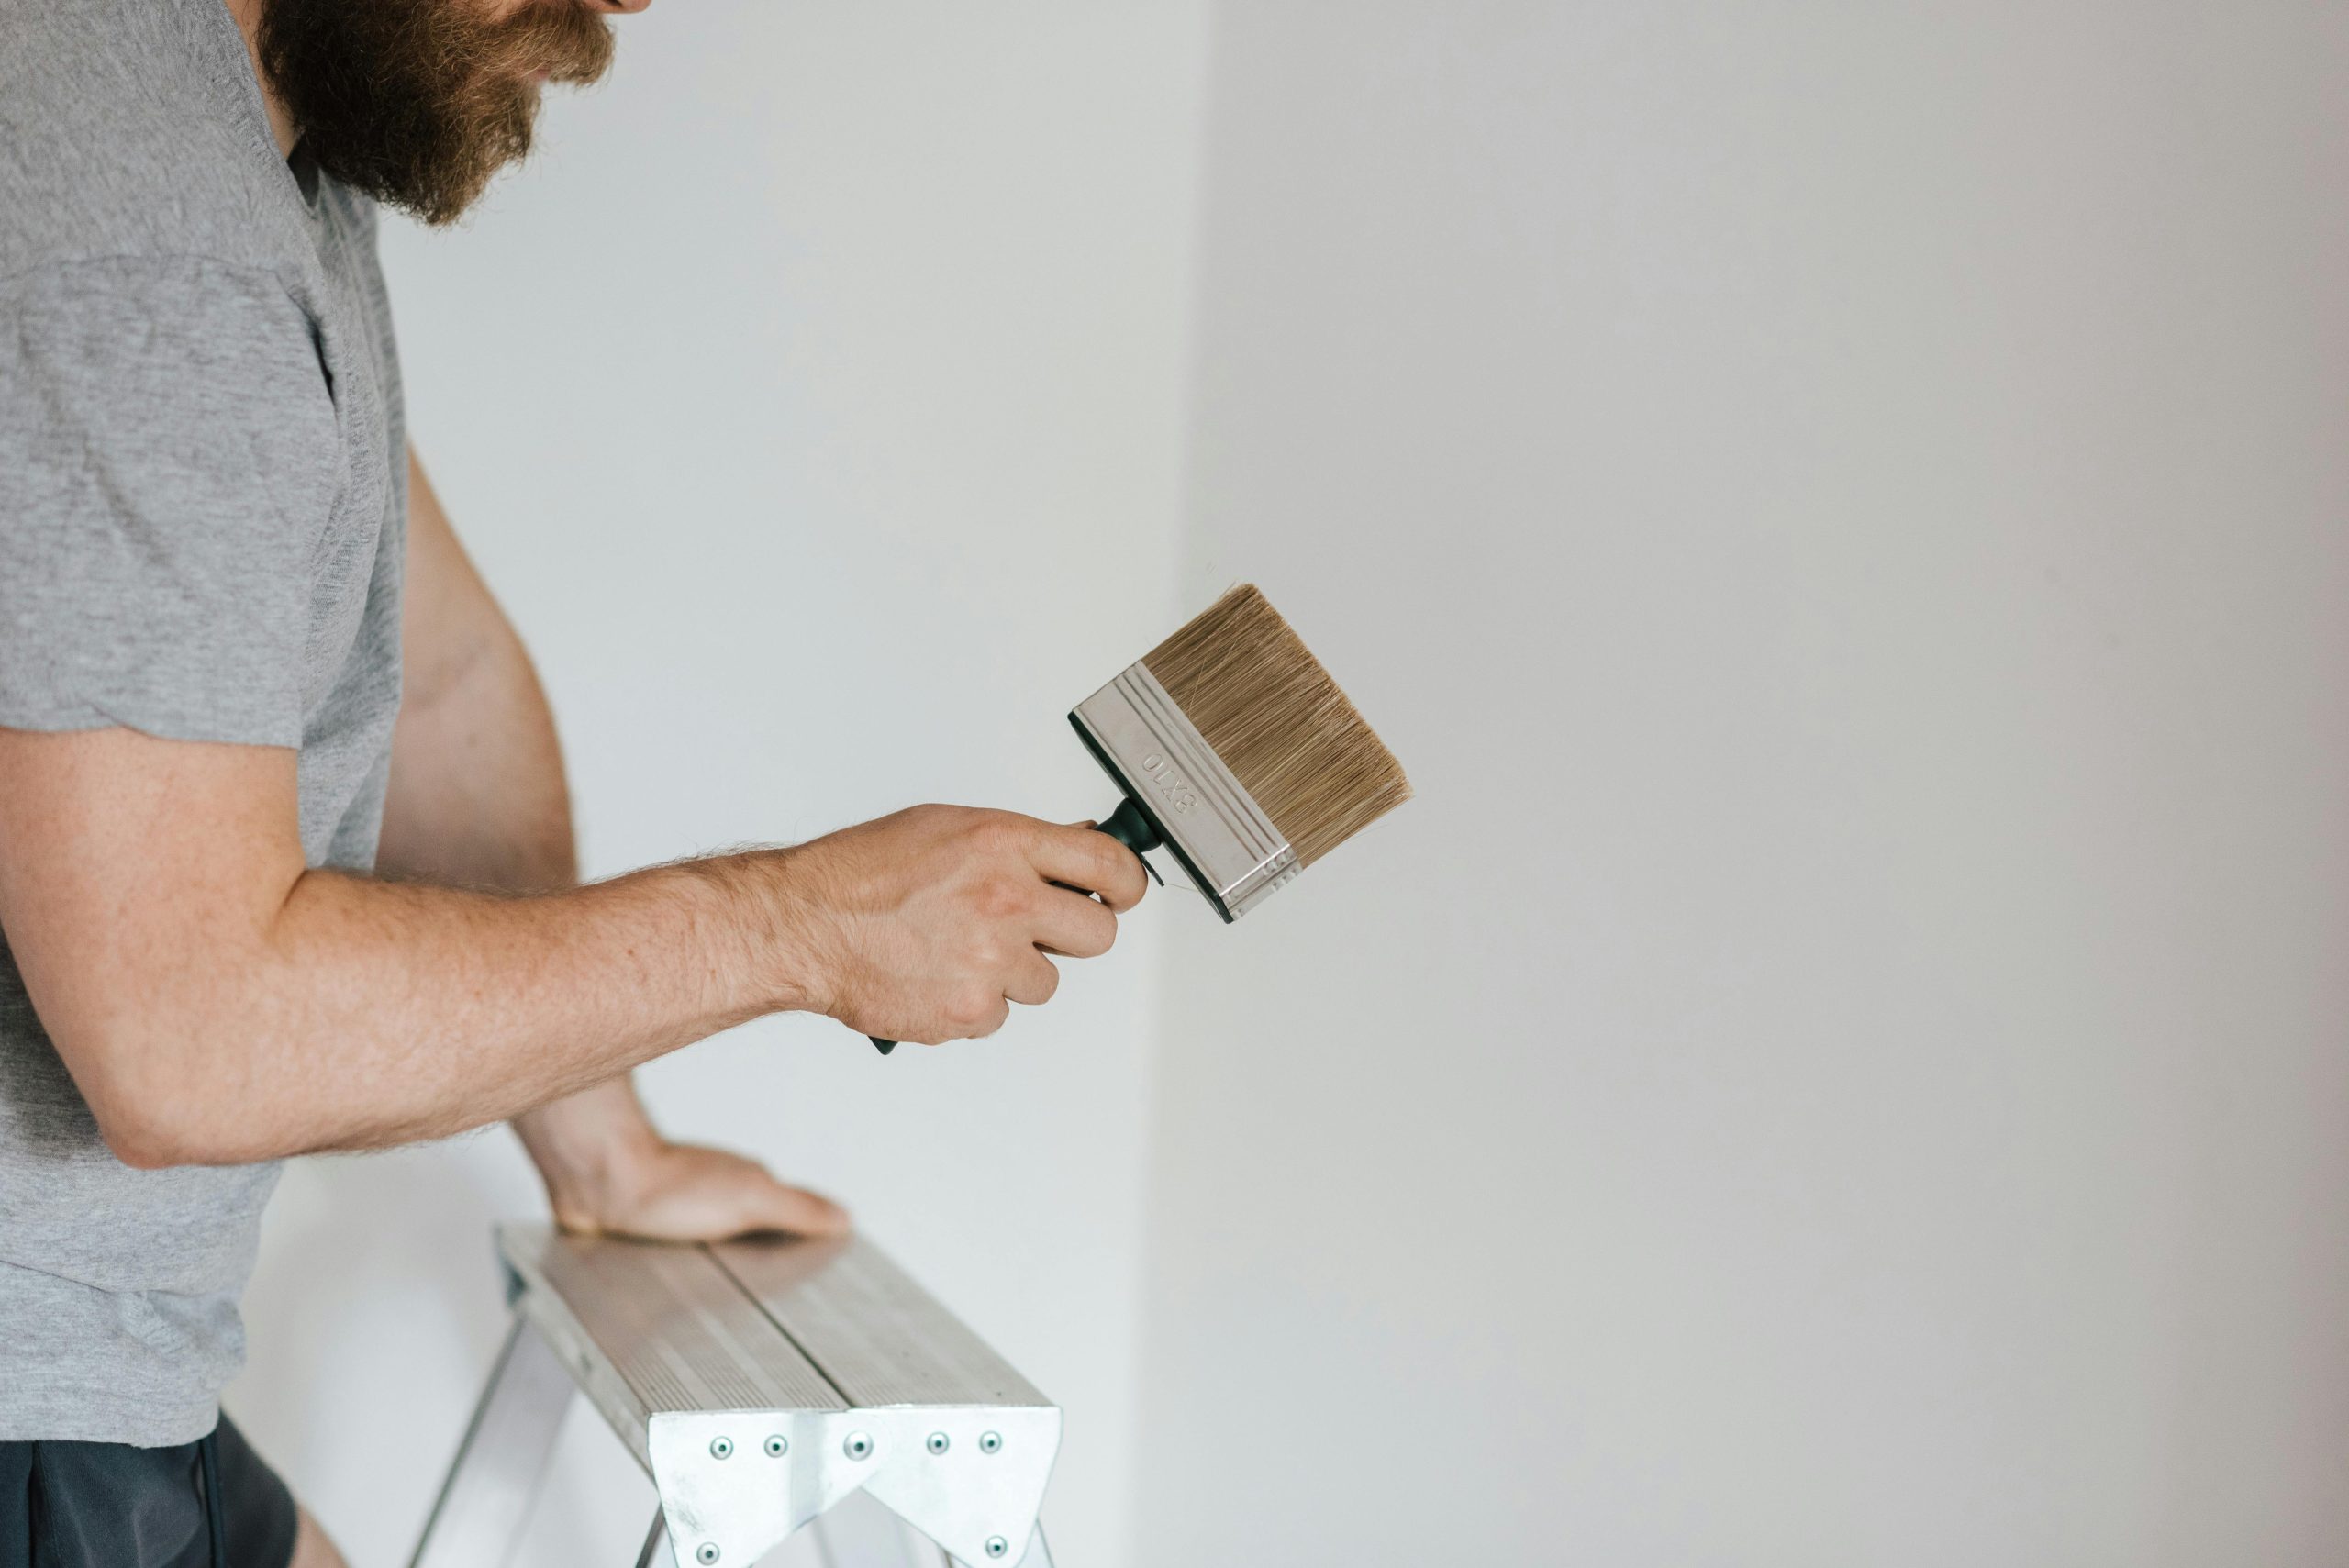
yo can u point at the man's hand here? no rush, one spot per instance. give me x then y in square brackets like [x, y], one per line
[609, 1171]
[925, 925]
[682, 1192]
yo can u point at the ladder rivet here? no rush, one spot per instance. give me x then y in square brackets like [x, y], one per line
[777, 1446]
[938, 1442]
[705, 1553]
[997, 1546]
[721, 1448]
[990, 1442]
[858, 1445]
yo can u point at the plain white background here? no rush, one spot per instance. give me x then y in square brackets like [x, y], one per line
[1843, 511]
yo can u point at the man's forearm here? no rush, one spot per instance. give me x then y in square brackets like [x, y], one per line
[370, 1013]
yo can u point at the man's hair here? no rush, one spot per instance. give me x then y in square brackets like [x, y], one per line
[418, 103]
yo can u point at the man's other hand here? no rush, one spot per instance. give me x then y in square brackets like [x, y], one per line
[682, 1192]
[926, 924]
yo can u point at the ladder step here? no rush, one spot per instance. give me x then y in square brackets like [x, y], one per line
[874, 1334]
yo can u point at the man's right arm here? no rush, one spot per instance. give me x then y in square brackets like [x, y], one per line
[217, 1002]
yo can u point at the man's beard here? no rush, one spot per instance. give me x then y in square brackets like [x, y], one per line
[418, 103]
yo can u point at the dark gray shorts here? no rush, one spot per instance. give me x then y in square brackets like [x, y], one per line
[108, 1505]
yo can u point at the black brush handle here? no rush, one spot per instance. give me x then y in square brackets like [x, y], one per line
[1130, 827]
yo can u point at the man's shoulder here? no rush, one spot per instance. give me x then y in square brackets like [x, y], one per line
[132, 128]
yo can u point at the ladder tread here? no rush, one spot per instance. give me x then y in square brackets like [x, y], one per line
[780, 1324]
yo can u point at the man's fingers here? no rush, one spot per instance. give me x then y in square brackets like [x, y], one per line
[977, 1015]
[1084, 858]
[1033, 980]
[799, 1212]
[1073, 925]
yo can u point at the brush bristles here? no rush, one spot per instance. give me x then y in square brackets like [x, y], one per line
[1270, 710]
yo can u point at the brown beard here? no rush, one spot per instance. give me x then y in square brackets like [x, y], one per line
[418, 103]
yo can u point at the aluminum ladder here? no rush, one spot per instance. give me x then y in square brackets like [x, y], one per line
[764, 1386]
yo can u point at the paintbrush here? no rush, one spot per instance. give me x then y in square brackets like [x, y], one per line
[1236, 751]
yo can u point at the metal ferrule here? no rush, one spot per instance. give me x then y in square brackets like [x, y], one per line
[1220, 835]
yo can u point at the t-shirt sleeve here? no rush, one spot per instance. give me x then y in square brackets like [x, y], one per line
[166, 470]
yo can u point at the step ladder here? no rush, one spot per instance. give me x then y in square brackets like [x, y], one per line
[764, 1386]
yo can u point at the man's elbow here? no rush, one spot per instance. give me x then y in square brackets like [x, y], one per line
[147, 1143]
[144, 1130]
[149, 1114]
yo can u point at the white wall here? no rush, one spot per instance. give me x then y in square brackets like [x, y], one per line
[812, 402]
[1844, 510]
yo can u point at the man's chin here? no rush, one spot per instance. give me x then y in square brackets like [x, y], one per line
[435, 113]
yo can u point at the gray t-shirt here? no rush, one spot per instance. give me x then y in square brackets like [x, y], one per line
[202, 522]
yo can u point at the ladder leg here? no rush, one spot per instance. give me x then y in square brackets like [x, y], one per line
[656, 1553]
[495, 1476]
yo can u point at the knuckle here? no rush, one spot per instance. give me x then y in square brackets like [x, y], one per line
[974, 1010]
[1001, 898]
[997, 831]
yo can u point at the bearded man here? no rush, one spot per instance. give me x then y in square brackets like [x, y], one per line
[285, 856]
